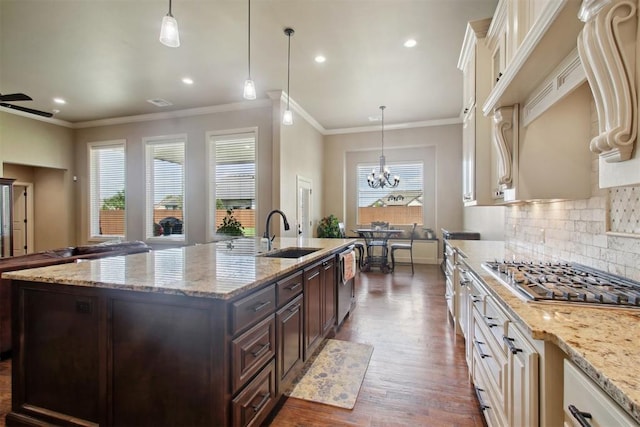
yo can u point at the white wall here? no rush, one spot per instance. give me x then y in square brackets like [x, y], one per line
[487, 220]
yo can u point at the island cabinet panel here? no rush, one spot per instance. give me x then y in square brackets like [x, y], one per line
[59, 355]
[289, 324]
[253, 307]
[253, 404]
[251, 351]
[312, 309]
[160, 352]
[329, 295]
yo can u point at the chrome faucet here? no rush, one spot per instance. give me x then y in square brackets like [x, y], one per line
[266, 231]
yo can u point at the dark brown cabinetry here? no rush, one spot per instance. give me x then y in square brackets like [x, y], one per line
[289, 324]
[319, 303]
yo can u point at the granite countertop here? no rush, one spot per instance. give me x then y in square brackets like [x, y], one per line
[602, 341]
[219, 270]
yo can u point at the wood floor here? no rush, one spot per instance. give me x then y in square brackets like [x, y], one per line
[417, 375]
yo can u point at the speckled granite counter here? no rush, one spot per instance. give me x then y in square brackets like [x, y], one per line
[601, 341]
[218, 270]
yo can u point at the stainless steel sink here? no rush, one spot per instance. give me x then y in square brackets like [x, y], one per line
[292, 252]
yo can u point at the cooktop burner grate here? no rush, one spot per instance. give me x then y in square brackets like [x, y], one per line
[566, 283]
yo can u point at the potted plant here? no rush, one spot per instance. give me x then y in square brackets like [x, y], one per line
[329, 227]
[230, 225]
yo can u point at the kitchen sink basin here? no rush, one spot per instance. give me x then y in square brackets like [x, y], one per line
[292, 252]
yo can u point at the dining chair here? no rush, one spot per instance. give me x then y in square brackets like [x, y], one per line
[403, 246]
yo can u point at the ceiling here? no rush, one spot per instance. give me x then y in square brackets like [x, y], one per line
[104, 58]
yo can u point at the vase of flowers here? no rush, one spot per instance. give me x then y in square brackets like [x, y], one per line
[230, 225]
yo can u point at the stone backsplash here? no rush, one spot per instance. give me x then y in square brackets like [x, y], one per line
[601, 231]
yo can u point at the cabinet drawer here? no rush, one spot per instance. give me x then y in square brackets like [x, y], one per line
[477, 296]
[585, 396]
[493, 364]
[289, 287]
[253, 404]
[252, 308]
[496, 322]
[251, 350]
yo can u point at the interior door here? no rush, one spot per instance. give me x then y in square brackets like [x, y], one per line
[303, 217]
[19, 219]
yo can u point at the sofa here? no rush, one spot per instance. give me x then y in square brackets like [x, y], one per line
[47, 258]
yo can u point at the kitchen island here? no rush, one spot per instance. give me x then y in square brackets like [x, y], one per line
[202, 335]
[601, 341]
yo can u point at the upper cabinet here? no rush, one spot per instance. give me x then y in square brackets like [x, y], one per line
[607, 46]
[475, 64]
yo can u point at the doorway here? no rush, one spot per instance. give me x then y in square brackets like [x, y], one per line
[22, 218]
[303, 215]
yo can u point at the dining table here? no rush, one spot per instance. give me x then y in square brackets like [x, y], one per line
[376, 238]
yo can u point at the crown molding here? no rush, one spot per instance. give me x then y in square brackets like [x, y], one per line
[189, 112]
[397, 126]
[51, 120]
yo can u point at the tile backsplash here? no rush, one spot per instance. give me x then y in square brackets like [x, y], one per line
[602, 231]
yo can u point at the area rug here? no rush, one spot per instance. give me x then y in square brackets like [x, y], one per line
[335, 376]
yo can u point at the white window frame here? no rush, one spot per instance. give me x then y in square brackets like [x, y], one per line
[376, 166]
[96, 145]
[148, 142]
[211, 175]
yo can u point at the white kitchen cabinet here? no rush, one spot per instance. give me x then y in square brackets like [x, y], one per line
[475, 63]
[523, 378]
[584, 399]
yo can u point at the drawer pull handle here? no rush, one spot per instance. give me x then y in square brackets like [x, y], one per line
[263, 401]
[294, 308]
[464, 282]
[263, 349]
[475, 299]
[580, 416]
[483, 405]
[488, 319]
[294, 286]
[482, 355]
[260, 306]
[512, 347]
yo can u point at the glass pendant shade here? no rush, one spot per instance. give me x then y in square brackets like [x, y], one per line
[287, 118]
[249, 89]
[169, 35]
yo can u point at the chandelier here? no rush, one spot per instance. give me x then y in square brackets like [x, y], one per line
[383, 177]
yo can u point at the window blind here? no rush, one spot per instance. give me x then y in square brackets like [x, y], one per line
[165, 188]
[402, 205]
[107, 207]
[233, 178]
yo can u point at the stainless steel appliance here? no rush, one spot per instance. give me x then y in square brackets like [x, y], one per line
[566, 282]
[346, 287]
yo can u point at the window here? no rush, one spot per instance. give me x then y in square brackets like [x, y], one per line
[232, 172]
[402, 205]
[165, 187]
[106, 189]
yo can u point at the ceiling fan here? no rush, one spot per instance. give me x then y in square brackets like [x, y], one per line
[20, 97]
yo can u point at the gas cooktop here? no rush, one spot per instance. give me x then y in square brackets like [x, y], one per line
[564, 282]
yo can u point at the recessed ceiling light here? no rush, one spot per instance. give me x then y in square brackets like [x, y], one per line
[187, 81]
[320, 59]
[159, 102]
[59, 101]
[410, 43]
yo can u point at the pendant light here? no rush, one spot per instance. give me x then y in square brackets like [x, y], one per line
[249, 85]
[169, 35]
[383, 178]
[287, 117]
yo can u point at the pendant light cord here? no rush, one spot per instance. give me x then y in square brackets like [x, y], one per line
[170, 8]
[249, 40]
[382, 109]
[288, 68]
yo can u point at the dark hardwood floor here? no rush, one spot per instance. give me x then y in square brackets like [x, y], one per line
[417, 375]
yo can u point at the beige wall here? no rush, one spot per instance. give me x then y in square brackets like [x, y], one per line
[486, 220]
[441, 144]
[42, 153]
[301, 154]
[195, 127]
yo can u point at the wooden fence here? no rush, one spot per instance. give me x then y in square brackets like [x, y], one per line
[112, 221]
[397, 215]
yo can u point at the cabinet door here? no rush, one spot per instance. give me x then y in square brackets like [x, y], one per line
[523, 379]
[329, 295]
[289, 325]
[312, 308]
[58, 363]
[469, 156]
